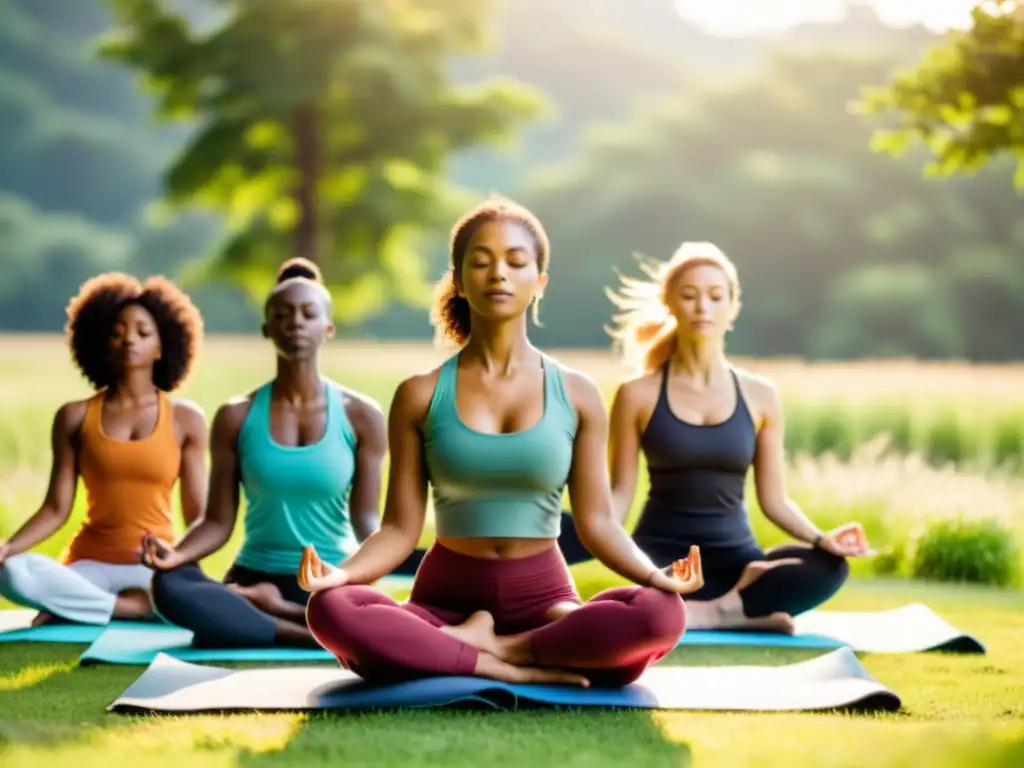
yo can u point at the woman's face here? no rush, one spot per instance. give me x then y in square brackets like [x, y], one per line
[501, 273]
[135, 339]
[701, 301]
[297, 321]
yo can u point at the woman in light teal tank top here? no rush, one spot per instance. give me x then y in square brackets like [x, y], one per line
[307, 456]
[497, 434]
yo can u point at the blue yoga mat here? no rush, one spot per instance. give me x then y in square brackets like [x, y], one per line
[911, 628]
[836, 680]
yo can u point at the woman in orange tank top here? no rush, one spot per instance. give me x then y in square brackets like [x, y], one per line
[130, 443]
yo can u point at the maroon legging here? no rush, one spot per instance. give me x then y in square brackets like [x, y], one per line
[611, 639]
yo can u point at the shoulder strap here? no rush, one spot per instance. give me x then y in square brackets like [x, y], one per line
[257, 420]
[555, 392]
[337, 417]
[165, 415]
[443, 398]
[93, 414]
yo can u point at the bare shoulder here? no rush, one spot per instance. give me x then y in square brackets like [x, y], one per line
[362, 410]
[582, 390]
[189, 414]
[414, 393]
[70, 416]
[231, 415]
[638, 391]
[760, 392]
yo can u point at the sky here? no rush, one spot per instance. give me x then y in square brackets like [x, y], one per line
[740, 17]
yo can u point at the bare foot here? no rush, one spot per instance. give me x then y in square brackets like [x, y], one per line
[726, 612]
[759, 568]
[494, 668]
[264, 596]
[42, 618]
[476, 631]
[133, 604]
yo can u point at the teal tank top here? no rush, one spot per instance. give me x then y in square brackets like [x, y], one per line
[499, 485]
[295, 496]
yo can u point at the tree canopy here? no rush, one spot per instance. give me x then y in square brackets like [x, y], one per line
[965, 99]
[323, 128]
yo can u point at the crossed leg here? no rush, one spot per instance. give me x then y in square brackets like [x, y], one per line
[609, 640]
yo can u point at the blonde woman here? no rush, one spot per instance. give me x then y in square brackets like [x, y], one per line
[701, 424]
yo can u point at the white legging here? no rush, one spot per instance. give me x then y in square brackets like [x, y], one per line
[84, 591]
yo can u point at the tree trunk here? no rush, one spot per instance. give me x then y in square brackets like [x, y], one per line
[306, 140]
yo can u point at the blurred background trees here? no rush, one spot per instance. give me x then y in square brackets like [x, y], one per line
[209, 140]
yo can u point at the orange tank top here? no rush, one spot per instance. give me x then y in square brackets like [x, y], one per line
[128, 485]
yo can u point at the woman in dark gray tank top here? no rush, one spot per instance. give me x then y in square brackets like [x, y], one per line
[701, 425]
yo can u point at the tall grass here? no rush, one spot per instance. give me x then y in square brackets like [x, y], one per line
[892, 444]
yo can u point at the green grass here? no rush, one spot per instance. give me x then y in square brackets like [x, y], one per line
[956, 708]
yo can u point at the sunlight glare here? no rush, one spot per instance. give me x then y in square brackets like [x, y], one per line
[746, 17]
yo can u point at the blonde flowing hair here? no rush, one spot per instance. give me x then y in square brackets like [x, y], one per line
[644, 330]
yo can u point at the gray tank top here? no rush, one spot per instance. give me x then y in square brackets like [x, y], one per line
[697, 476]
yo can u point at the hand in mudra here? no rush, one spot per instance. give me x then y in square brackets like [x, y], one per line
[846, 541]
[159, 555]
[682, 577]
[315, 575]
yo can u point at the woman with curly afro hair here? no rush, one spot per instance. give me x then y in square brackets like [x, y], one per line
[497, 432]
[130, 443]
[307, 454]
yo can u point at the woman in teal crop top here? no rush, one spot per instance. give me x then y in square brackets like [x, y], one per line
[307, 455]
[497, 432]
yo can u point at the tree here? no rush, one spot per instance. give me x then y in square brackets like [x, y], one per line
[322, 128]
[776, 172]
[965, 100]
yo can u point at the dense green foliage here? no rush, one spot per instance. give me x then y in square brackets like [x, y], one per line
[965, 100]
[754, 143]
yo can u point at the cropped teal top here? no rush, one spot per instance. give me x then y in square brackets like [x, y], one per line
[296, 495]
[499, 485]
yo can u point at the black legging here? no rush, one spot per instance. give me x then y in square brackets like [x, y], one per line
[568, 541]
[218, 617]
[791, 589]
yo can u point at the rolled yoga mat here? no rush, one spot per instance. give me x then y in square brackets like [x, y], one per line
[836, 680]
[909, 629]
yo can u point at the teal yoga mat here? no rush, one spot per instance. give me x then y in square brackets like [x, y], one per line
[911, 628]
[140, 645]
[15, 627]
[836, 680]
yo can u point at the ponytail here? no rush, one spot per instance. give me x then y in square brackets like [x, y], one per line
[644, 332]
[450, 314]
[645, 336]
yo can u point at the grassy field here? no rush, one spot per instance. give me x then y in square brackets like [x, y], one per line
[957, 710]
[953, 450]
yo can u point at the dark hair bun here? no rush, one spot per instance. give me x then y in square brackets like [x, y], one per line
[299, 267]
